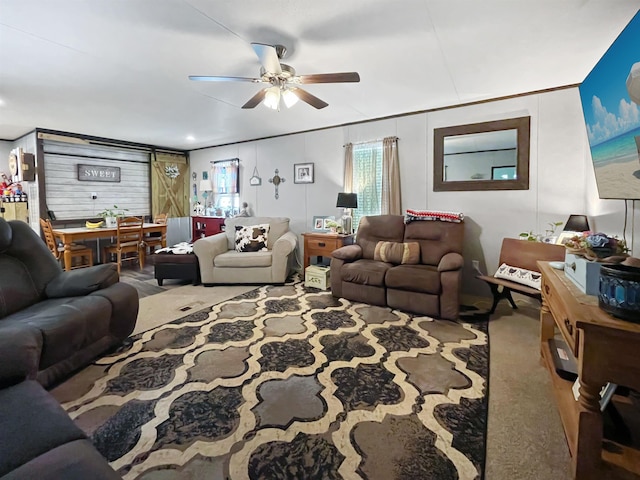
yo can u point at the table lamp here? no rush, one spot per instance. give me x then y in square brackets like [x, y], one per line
[347, 201]
[577, 223]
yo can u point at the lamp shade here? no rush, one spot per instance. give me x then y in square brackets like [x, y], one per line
[347, 200]
[577, 223]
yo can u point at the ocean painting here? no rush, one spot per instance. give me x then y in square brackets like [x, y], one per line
[610, 97]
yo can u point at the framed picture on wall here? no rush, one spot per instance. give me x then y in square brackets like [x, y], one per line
[303, 173]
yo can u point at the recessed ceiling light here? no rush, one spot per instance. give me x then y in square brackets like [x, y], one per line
[190, 138]
[2, 102]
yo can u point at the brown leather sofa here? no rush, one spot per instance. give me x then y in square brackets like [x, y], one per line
[60, 320]
[424, 280]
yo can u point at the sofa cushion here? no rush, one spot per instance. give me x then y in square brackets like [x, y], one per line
[77, 460]
[17, 289]
[436, 239]
[397, 253]
[365, 272]
[31, 424]
[414, 278]
[373, 229]
[251, 238]
[234, 259]
[67, 326]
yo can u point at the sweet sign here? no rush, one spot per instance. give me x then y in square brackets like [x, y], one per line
[96, 173]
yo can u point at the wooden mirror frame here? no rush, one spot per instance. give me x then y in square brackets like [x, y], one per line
[521, 124]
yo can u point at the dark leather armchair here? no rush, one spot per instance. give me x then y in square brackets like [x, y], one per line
[56, 321]
[421, 271]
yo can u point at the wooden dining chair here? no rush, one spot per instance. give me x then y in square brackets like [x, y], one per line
[153, 240]
[129, 242]
[81, 255]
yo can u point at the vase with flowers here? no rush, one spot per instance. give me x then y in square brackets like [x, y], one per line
[598, 247]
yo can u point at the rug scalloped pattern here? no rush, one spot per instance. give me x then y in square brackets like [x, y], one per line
[288, 382]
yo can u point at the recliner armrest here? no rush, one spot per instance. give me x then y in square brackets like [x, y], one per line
[82, 281]
[20, 349]
[451, 261]
[348, 253]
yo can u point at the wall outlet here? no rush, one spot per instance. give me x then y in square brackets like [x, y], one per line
[94, 195]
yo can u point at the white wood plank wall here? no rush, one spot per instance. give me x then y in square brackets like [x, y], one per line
[71, 199]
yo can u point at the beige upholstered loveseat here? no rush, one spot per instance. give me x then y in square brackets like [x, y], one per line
[220, 263]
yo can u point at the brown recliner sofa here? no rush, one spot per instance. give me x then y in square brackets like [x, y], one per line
[60, 320]
[424, 279]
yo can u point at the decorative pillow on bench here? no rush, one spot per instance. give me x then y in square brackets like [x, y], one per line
[526, 277]
[398, 253]
[252, 238]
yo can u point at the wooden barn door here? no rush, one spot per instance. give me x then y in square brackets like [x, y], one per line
[169, 184]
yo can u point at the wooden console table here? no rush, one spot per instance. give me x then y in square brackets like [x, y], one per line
[322, 244]
[606, 350]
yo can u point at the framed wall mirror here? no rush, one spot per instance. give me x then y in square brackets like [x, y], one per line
[482, 156]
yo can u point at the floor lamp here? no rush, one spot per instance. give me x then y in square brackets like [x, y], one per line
[347, 201]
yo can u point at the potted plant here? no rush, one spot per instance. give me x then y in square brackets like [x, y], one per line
[111, 215]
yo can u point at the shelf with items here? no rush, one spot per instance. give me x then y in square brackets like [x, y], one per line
[605, 350]
[202, 226]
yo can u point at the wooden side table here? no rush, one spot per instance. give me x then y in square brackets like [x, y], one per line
[322, 244]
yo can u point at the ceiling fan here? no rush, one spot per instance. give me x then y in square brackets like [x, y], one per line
[283, 80]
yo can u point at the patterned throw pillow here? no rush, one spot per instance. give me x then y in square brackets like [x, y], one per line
[519, 275]
[397, 253]
[252, 238]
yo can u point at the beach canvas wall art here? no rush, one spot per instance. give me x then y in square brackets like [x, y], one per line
[610, 97]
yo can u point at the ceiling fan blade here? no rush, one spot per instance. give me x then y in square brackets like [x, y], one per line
[206, 78]
[268, 57]
[310, 99]
[330, 77]
[256, 99]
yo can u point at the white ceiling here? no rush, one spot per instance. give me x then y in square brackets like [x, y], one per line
[118, 68]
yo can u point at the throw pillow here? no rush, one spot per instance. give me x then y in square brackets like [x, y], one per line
[252, 238]
[519, 275]
[397, 253]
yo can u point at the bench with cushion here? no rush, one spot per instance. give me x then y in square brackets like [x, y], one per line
[518, 271]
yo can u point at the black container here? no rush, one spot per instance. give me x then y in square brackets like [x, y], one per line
[620, 291]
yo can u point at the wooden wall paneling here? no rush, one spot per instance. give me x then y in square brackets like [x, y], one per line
[70, 198]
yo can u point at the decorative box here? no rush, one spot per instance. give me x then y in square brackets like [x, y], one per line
[584, 273]
[317, 276]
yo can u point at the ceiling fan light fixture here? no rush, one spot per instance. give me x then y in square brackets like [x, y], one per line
[289, 97]
[272, 98]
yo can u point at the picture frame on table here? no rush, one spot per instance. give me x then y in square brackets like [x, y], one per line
[320, 223]
[566, 235]
[303, 173]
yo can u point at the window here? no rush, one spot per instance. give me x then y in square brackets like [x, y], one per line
[226, 187]
[367, 180]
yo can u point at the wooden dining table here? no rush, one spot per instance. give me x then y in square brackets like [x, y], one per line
[69, 236]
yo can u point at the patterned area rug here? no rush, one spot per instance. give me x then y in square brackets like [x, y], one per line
[286, 382]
